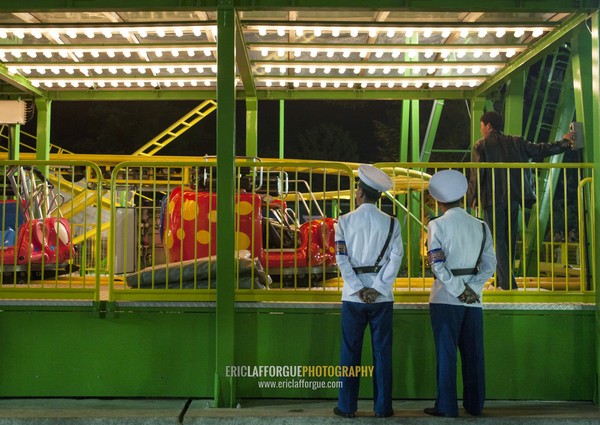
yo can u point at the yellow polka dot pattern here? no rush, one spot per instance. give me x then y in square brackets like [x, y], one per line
[187, 238]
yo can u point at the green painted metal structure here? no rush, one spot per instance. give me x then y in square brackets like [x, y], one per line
[169, 350]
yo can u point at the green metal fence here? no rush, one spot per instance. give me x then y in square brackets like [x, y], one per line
[148, 233]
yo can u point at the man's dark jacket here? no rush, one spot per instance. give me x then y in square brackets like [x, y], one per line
[498, 147]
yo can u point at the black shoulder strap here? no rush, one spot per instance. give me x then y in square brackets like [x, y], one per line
[387, 242]
[376, 267]
[482, 244]
[474, 270]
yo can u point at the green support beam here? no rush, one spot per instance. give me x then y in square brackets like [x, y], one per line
[92, 95]
[536, 93]
[42, 148]
[404, 131]
[593, 140]
[531, 55]
[14, 142]
[337, 94]
[513, 122]
[366, 94]
[251, 127]
[224, 395]
[478, 107]
[434, 120]
[243, 61]
[409, 152]
[513, 106]
[523, 6]
[581, 45]
[20, 83]
[415, 131]
[282, 129]
[245, 71]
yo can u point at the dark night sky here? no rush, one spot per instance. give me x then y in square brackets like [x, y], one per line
[122, 127]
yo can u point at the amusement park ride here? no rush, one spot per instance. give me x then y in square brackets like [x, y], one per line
[35, 243]
[294, 245]
[288, 249]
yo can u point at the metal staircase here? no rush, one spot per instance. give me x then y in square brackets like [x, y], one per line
[546, 85]
[178, 128]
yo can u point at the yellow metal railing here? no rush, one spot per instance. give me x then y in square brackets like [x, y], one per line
[158, 239]
[39, 259]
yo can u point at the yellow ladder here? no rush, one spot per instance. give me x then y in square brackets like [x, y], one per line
[4, 140]
[175, 130]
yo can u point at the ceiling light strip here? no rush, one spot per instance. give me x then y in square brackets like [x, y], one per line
[107, 31]
[409, 30]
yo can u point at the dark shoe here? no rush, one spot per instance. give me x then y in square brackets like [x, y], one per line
[385, 415]
[472, 413]
[338, 412]
[434, 412]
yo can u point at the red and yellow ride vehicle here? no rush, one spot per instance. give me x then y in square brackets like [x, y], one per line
[264, 226]
[35, 244]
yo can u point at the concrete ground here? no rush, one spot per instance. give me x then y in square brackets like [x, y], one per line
[288, 412]
[292, 411]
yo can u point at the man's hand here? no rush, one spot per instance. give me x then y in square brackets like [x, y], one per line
[468, 296]
[368, 295]
[570, 137]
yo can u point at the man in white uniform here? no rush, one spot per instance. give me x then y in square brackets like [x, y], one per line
[461, 255]
[368, 252]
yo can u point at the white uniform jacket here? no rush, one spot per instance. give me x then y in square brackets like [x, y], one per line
[360, 236]
[454, 242]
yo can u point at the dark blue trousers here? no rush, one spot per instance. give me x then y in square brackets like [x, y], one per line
[458, 327]
[505, 263]
[355, 317]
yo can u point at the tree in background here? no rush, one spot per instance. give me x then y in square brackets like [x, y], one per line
[452, 132]
[324, 141]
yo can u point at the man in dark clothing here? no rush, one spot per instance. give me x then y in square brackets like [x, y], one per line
[500, 191]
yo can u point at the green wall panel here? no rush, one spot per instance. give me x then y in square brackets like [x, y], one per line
[529, 355]
[131, 355]
[545, 355]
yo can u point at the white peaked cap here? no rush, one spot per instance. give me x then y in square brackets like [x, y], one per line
[374, 178]
[448, 186]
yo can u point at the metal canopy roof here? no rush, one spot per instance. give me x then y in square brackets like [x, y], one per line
[293, 49]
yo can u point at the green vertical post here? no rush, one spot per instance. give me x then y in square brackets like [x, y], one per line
[415, 133]
[432, 126]
[281, 129]
[513, 106]
[593, 139]
[252, 127]
[413, 228]
[513, 124]
[584, 58]
[224, 391]
[478, 107]
[14, 142]
[404, 131]
[42, 148]
[581, 59]
[409, 152]
[403, 157]
[536, 93]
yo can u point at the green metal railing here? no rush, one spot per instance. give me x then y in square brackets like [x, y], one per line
[128, 245]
